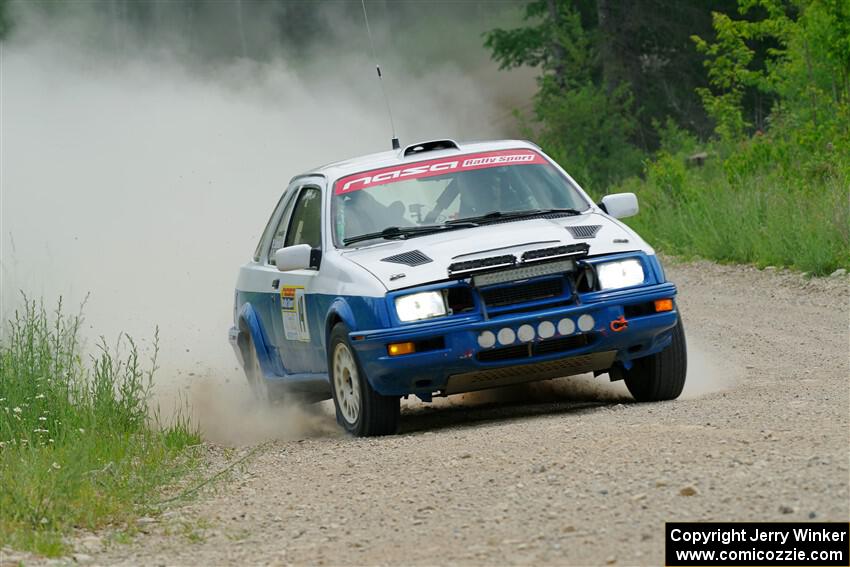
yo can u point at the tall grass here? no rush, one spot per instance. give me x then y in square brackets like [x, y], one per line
[747, 208]
[77, 446]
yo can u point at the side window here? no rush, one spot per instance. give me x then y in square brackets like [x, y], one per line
[306, 224]
[273, 221]
[280, 232]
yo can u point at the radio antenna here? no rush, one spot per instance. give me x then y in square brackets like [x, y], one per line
[395, 142]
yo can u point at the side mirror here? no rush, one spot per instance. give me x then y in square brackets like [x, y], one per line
[293, 258]
[620, 205]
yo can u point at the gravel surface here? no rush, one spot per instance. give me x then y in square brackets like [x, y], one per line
[564, 472]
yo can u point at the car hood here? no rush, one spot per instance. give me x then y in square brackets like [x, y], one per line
[443, 249]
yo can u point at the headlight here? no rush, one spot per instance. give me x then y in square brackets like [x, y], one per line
[614, 275]
[418, 306]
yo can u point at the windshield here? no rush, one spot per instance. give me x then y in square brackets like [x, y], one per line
[449, 189]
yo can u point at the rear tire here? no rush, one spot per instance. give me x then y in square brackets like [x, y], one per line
[360, 410]
[254, 373]
[660, 376]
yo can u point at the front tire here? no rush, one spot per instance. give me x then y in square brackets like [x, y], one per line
[360, 410]
[660, 376]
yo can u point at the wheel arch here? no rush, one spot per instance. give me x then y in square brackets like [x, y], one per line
[251, 328]
[339, 312]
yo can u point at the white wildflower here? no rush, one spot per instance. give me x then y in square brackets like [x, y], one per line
[50, 440]
[42, 418]
[38, 397]
[81, 430]
[39, 431]
[56, 466]
[17, 409]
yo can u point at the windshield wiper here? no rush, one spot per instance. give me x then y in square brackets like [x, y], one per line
[496, 216]
[402, 232]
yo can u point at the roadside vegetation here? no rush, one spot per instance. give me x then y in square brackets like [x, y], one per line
[78, 445]
[729, 120]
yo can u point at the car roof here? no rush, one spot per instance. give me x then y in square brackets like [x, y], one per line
[335, 170]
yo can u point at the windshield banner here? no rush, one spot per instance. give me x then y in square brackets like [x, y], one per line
[434, 167]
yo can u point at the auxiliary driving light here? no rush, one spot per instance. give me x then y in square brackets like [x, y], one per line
[546, 329]
[486, 339]
[526, 333]
[663, 305]
[397, 349]
[585, 322]
[566, 327]
[507, 336]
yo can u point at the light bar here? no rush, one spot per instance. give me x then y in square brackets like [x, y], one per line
[524, 273]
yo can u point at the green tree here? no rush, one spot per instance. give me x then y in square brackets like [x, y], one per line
[585, 124]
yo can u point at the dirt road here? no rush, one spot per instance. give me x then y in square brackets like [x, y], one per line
[569, 472]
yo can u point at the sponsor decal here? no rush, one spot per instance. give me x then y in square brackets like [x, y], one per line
[293, 309]
[434, 167]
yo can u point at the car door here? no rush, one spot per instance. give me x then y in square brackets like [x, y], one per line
[260, 281]
[297, 329]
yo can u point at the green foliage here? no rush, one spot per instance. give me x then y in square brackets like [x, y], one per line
[778, 196]
[556, 43]
[587, 130]
[764, 219]
[77, 449]
[583, 124]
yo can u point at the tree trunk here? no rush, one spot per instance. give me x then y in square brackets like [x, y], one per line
[607, 36]
[558, 51]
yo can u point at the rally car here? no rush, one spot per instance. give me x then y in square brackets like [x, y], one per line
[443, 268]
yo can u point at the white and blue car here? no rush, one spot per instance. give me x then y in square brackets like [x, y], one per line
[443, 268]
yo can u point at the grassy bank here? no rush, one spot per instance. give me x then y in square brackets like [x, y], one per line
[748, 205]
[77, 446]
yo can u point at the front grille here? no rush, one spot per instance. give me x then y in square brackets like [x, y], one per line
[573, 250]
[504, 353]
[561, 344]
[524, 292]
[529, 350]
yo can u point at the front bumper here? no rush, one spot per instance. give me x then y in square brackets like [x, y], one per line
[457, 364]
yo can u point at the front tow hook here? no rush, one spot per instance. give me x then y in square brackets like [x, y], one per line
[620, 324]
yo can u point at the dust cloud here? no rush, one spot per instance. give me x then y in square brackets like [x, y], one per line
[143, 175]
[141, 170]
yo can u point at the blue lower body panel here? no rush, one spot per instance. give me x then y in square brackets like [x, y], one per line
[478, 352]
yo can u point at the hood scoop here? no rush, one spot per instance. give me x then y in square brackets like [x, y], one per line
[412, 258]
[584, 232]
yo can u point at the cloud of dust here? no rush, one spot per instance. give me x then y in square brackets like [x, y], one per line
[140, 171]
[144, 177]
[707, 374]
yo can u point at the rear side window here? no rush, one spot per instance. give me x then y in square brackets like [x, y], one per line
[306, 224]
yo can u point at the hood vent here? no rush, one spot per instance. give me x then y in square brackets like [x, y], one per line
[585, 232]
[412, 258]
